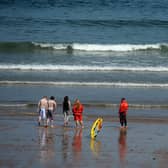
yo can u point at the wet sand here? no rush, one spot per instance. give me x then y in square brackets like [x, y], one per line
[24, 144]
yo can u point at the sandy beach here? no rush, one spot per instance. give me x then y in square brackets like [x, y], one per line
[24, 144]
[98, 52]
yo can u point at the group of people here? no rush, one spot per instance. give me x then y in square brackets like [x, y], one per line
[47, 107]
[77, 110]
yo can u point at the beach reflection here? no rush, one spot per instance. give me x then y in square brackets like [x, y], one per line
[95, 147]
[77, 145]
[65, 145]
[46, 142]
[122, 145]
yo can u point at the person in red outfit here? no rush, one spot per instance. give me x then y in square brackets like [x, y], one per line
[123, 109]
[77, 112]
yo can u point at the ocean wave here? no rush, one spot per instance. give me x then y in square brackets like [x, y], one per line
[103, 47]
[99, 23]
[44, 3]
[12, 105]
[116, 23]
[94, 84]
[50, 67]
[72, 47]
[96, 4]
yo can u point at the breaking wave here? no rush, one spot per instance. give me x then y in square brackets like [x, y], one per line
[94, 84]
[50, 67]
[72, 47]
[103, 47]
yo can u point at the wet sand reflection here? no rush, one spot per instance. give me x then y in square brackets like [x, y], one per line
[46, 142]
[122, 142]
[77, 145]
[95, 146]
[65, 145]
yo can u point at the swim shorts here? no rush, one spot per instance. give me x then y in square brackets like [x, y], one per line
[49, 114]
[43, 113]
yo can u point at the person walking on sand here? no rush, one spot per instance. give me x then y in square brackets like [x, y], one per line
[66, 107]
[42, 109]
[52, 105]
[123, 109]
[78, 113]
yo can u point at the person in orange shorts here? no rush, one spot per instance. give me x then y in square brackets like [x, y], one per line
[77, 112]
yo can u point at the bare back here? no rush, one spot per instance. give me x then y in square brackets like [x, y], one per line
[52, 105]
[43, 103]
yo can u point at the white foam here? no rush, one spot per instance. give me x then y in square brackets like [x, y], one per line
[12, 105]
[94, 84]
[51, 45]
[50, 67]
[115, 47]
[101, 47]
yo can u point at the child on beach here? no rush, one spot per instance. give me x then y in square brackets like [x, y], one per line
[66, 105]
[77, 112]
[42, 109]
[123, 109]
[52, 105]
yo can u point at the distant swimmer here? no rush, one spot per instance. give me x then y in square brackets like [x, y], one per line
[78, 113]
[123, 109]
[42, 109]
[66, 107]
[52, 105]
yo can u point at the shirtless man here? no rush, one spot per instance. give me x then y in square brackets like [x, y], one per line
[42, 109]
[51, 109]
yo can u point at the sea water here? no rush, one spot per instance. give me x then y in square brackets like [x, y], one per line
[99, 50]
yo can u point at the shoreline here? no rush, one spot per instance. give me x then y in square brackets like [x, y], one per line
[29, 115]
[88, 104]
[144, 113]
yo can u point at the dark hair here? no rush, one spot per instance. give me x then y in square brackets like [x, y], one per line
[66, 98]
[66, 104]
[52, 98]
